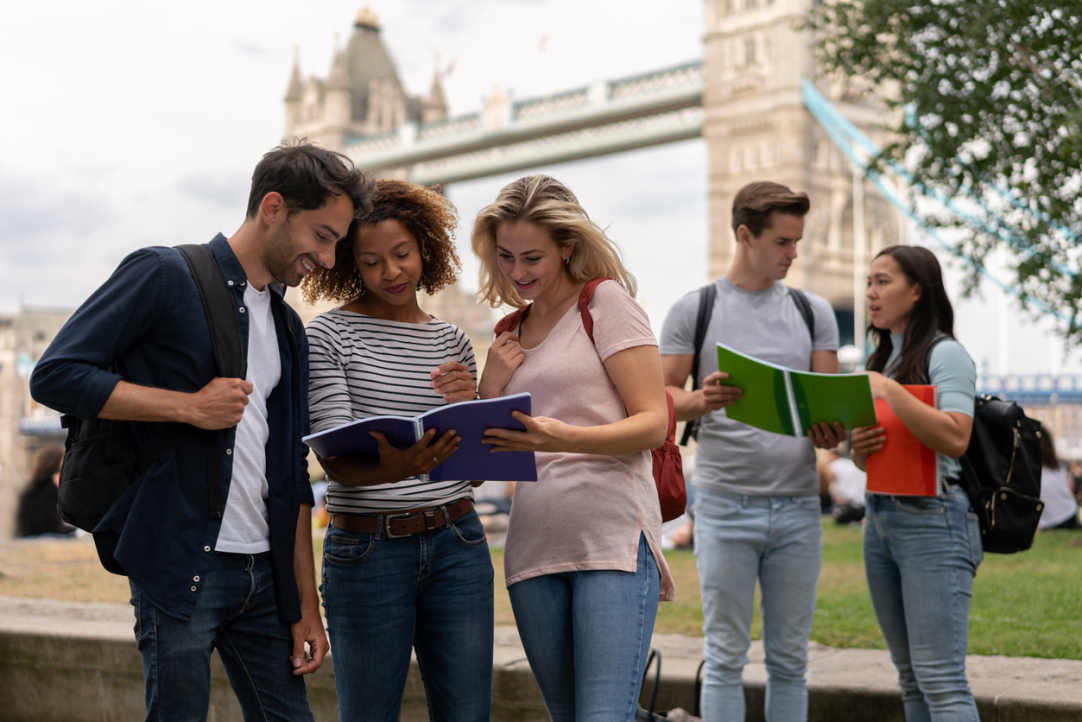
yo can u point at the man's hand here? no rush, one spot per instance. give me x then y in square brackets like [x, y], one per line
[219, 404]
[715, 394]
[420, 458]
[310, 630]
[454, 382]
[824, 436]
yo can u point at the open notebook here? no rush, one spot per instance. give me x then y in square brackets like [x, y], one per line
[472, 460]
[790, 402]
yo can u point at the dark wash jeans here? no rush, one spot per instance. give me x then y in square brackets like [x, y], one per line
[236, 613]
[430, 591]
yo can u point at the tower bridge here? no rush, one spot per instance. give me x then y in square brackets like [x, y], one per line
[744, 98]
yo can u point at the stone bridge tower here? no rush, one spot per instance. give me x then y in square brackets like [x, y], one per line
[757, 128]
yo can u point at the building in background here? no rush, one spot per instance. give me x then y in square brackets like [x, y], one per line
[25, 425]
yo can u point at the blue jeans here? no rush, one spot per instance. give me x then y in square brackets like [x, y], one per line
[587, 635]
[920, 556]
[778, 540]
[237, 613]
[430, 591]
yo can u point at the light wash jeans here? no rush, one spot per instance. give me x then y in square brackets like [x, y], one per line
[587, 635]
[777, 540]
[430, 591]
[920, 556]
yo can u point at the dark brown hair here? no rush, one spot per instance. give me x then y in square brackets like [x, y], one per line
[755, 202]
[1048, 448]
[932, 316]
[47, 460]
[429, 217]
[306, 176]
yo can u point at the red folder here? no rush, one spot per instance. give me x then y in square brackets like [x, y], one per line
[904, 466]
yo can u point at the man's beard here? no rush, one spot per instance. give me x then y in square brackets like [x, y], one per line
[280, 258]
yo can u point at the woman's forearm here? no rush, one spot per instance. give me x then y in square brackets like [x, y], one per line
[936, 429]
[639, 432]
[353, 470]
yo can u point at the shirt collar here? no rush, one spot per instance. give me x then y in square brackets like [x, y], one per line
[228, 262]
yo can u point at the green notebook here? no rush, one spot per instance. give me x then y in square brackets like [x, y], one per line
[789, 402]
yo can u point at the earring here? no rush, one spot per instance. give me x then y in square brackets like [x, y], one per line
[567, 261]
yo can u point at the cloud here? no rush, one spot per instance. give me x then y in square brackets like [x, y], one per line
[224, 188]
[33, 206]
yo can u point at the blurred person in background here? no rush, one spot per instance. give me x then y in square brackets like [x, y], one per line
[1060, 506]
[37, 512]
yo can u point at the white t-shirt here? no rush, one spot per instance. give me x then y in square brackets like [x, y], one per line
[1059, 504]
[245, 529]
[849, 481]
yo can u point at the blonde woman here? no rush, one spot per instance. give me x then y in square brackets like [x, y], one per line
[583, 561]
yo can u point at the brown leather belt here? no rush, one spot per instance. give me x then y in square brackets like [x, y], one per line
[403, 523]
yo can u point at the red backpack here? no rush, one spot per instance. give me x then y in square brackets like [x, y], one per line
[668, 467]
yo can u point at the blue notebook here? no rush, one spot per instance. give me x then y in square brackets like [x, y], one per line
[472, 460]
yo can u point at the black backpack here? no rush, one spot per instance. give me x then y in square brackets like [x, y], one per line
[101, 459]
[707, 295]
[1001, 472]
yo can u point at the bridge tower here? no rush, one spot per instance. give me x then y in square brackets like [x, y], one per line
[757, 128]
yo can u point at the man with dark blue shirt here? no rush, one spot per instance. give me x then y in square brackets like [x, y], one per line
[139, 350]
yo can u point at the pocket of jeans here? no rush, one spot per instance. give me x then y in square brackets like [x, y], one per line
[341, 548]
[468, 530]
[920, 504]
[976, 549]
[716, 506]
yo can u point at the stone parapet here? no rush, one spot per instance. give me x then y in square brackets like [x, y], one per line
[70, 662]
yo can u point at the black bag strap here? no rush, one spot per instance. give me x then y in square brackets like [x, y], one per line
[707, 295]
[804, 306]
[654, 654]
[228, 348]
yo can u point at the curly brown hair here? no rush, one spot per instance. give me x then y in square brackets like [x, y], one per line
[429, 217]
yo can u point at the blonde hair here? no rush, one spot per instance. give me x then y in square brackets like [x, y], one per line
[552, 207]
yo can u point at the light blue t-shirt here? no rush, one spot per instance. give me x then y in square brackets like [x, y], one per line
[734, 457]
[954, 375]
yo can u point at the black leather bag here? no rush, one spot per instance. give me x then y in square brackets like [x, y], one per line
[1001, 474]
[101, 459]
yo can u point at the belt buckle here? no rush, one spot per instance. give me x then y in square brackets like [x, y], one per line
[387, 525]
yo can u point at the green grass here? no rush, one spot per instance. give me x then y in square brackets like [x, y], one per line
[1024, 605]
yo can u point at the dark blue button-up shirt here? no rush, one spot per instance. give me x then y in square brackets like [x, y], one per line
[147, 321]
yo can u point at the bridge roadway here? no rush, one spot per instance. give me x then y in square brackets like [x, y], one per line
[608, 116]
[76, 662]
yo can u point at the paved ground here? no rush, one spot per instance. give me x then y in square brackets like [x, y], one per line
[995, 680]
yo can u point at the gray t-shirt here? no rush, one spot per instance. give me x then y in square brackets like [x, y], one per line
[954, 375]
[732, 456]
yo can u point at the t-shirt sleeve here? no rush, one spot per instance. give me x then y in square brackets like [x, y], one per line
[619, 322]
[954, 375]
[678, 332]
[328, 393]
[826, 325]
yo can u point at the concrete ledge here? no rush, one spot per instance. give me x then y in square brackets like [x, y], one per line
[70, 662]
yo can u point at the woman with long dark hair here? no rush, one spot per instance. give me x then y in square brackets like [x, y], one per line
[921, 552]
[1060, 506]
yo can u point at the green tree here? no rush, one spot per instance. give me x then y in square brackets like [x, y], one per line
[987, 101]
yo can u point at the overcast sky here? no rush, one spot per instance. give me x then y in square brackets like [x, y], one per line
[127, 124]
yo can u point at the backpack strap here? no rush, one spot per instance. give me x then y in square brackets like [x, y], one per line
[585, 297]
[228, 348]
[804, 306]
[511, 321]
[707, 297]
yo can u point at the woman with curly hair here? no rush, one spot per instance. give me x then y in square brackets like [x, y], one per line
[405, 561]
[583, 559]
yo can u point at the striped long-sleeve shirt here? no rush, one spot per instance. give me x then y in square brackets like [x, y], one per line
[361, 367]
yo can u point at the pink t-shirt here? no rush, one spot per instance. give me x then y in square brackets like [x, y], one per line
[585, 511]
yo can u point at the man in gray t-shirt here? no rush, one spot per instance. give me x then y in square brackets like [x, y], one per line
[756, 493]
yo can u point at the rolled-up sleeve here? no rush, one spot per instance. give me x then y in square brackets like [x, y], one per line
[73, 374]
